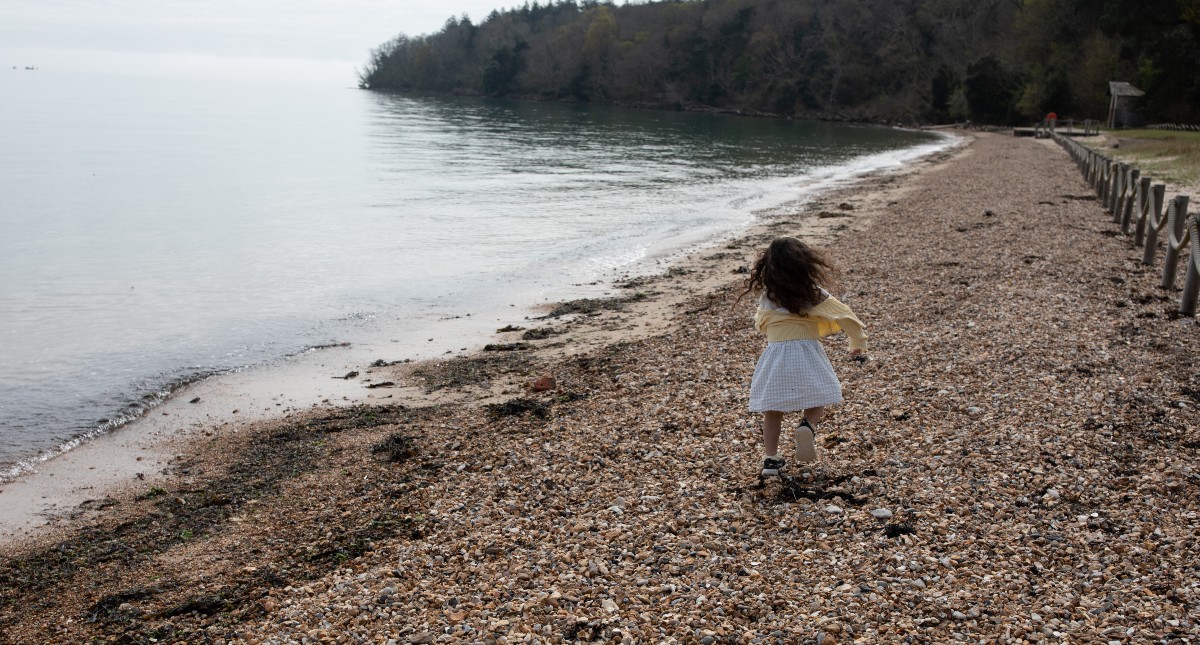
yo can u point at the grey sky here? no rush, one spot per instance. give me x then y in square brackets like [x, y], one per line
[241, 37]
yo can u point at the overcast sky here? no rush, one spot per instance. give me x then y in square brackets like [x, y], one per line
[313, 41]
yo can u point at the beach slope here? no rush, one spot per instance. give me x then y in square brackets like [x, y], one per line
[1017, 459]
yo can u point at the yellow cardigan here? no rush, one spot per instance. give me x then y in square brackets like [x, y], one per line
[829, 317]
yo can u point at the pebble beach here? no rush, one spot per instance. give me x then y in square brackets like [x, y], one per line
[1017, 461]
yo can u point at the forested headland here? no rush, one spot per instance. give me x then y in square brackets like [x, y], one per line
[898, 61]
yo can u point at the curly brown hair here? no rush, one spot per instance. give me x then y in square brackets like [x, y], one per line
[792, 273]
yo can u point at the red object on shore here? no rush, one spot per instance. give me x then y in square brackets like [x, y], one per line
[544, 383]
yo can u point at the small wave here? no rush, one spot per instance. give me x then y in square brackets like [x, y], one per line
[130, 413]
[822, 179]
[135, 410]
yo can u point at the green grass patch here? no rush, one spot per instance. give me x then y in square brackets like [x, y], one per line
[1166, 155]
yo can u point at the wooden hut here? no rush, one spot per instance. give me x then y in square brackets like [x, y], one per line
[1122, 112]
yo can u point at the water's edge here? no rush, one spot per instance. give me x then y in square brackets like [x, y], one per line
[661, 254]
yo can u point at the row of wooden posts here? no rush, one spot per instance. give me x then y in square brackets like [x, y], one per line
[1180, 127]
[1137, 206]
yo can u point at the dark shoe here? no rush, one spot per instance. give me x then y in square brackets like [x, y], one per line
[806, 445]
[772, 466]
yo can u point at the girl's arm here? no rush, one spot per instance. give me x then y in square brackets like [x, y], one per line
[855, 332]
[843, 317]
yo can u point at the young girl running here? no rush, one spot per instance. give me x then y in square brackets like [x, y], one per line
[793, 373]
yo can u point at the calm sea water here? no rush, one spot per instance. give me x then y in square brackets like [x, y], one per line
[157, 231]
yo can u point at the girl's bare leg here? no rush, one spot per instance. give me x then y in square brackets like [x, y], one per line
[814, 415]
[772, 422]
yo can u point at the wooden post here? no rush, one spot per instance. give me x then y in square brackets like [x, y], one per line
[1143, 201]
[1152, 224]
[1114, 186]
[1191, 283]
[1119, 191]
[1127, 210]
[1102, 189]
[1176, 216]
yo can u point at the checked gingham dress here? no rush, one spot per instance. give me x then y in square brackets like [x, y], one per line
[794, 373]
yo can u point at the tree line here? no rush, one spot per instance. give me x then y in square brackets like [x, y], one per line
[899, 61]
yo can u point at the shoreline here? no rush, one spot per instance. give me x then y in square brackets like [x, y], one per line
[1014, 462]
[250, 311]
[56, 494]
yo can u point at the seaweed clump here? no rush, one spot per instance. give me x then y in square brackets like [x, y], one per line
[397, 448]
[521, 406]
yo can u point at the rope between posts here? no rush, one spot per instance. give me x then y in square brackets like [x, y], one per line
[1160, 224]
[1179, 244]
[1193, 231]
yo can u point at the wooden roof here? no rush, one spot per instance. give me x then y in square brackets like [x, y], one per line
[1121, 88]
